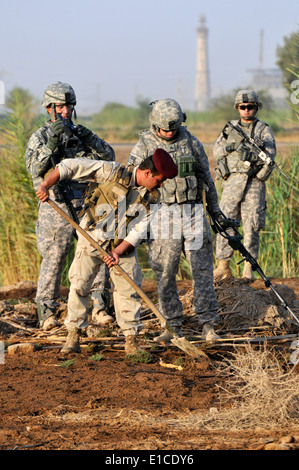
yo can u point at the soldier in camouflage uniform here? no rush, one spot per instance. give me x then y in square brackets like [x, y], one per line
[183, 197]
[244, 175]
[56, 140]
[117, 215]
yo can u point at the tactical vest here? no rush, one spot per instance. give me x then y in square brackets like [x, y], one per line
[77, 190]
[110, 193]
[188, 185]
[233, 160]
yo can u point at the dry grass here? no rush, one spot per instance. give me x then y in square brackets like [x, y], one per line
[259, 393]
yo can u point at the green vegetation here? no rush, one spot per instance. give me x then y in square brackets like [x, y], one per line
[97, 357]
[140, 357]
[279, 240]
[67, 364]
[288, 58]
[18, 204]
[118, 123]
[20, 260]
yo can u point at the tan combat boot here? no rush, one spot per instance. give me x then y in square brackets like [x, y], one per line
[100, 317]
[223, 270]
[72, 344]
[166, 336]
[131, 345]
[208, 332]
[50, 323]
[47, 317]
[247, 271]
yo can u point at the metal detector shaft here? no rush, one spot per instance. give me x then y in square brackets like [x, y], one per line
[182, 343]
[235, 243]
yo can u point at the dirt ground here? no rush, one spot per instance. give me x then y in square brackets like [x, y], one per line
[102, 400]
[114, 403]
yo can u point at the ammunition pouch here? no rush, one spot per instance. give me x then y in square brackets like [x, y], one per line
[186, 166]
[186, 186]
[222, 171]
[107, 193]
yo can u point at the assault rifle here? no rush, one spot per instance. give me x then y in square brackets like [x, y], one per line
[64, 192]
[255, 147]
[235, 242]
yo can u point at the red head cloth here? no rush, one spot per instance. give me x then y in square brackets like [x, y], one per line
[165, 164]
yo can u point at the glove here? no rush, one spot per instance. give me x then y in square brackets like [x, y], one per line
[231, 147]
[246, 154]
[249, 156]
[224, 221]
[252, 157]
[54, 131]
[264, 172]
[84, 133]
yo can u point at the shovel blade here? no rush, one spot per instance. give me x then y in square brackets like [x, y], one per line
[189, 348]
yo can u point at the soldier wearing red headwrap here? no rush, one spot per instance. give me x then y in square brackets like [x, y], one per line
[121, 192]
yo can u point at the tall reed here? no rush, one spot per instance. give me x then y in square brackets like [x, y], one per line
[279, 240]
[18, 203]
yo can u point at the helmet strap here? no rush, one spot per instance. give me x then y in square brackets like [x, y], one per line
[53, 112]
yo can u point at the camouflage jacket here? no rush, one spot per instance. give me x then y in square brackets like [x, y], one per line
[38, 155]
[180, 189]
[232, 158]
[123, 210]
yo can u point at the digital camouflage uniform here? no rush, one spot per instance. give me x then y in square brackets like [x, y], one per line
[114, 181]
[53, 233]
[181, 196]
[243, 189]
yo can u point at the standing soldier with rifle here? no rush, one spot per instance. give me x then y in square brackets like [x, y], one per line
[57, 140]
[245, 152]
[182, 199]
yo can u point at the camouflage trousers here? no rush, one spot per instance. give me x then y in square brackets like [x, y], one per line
[82, 273]
[244, 200]
[189, 233]
[54, 235]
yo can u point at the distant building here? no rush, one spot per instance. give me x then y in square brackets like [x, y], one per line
[202, 84]
[268, 80]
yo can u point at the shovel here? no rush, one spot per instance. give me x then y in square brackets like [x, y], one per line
[181, 342]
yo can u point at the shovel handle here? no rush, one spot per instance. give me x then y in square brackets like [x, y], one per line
[117, 267]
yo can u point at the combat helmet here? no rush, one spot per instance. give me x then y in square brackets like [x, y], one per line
[247, 96]
[60, 93]
[167, 115]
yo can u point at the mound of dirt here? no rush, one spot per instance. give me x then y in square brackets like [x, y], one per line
[99, 399]
[244, 309]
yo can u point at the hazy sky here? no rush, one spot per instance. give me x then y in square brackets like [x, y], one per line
[116, 50]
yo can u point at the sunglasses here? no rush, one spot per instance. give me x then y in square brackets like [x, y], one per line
[247, 106]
